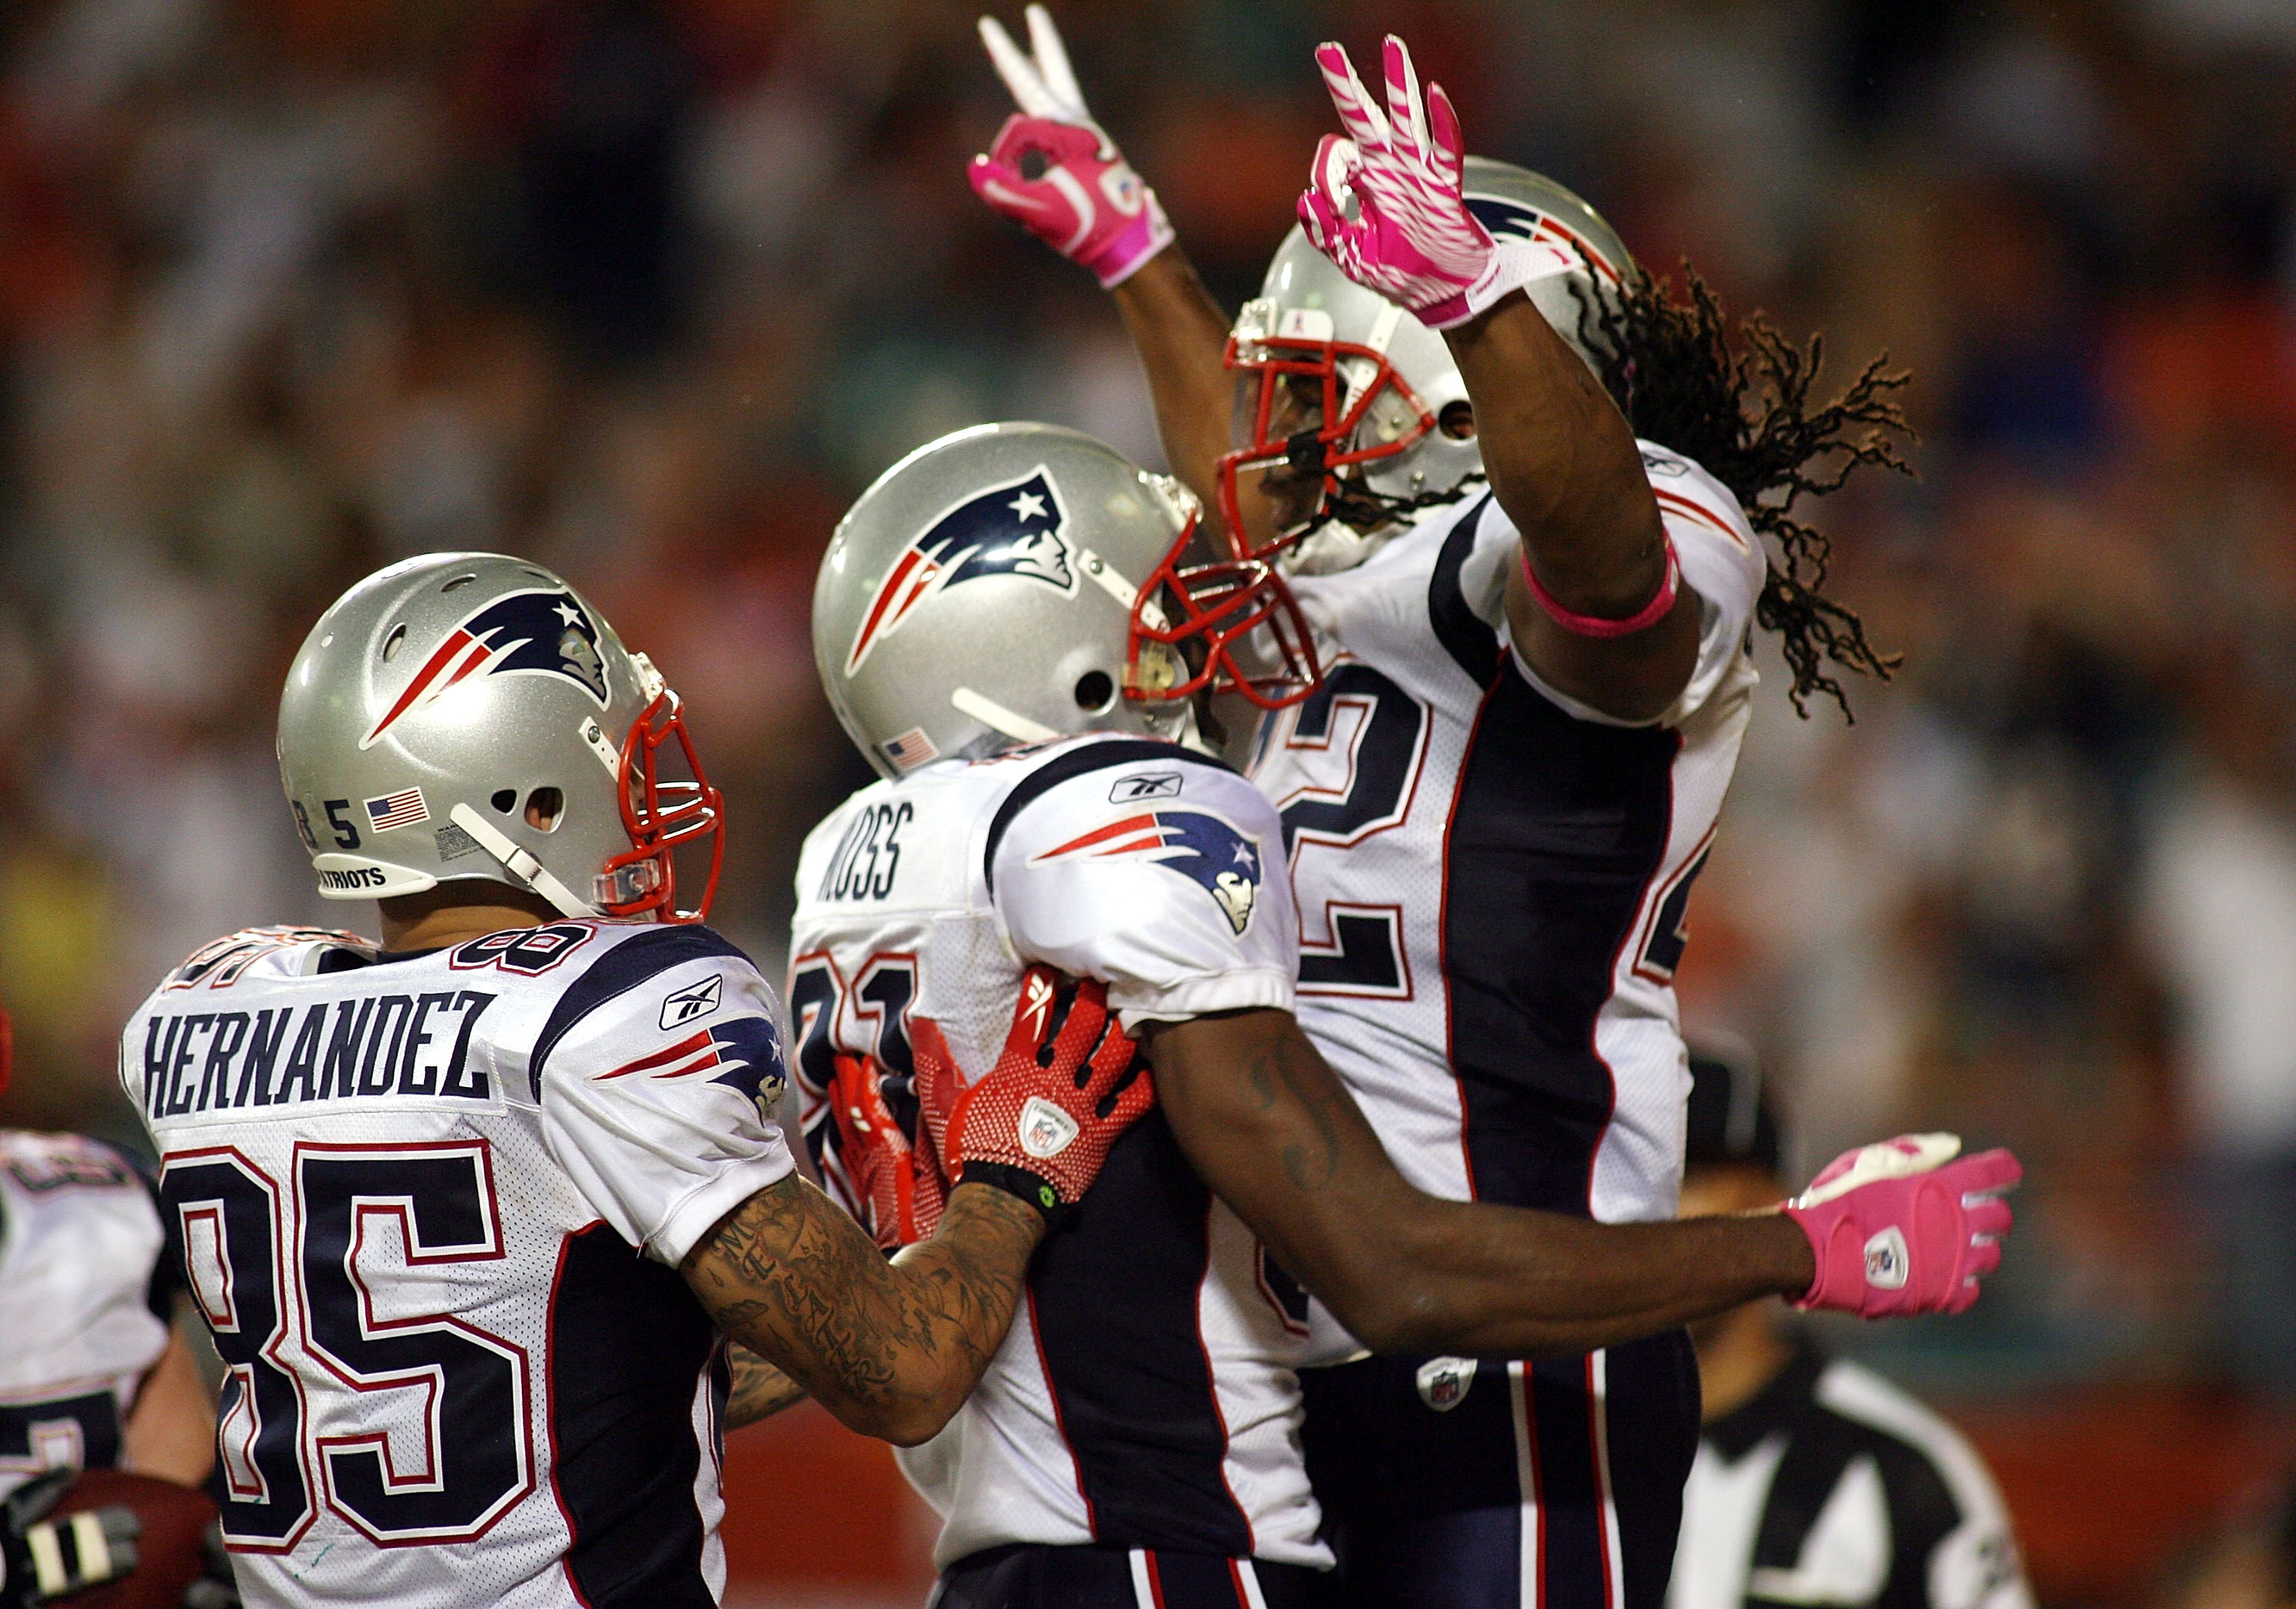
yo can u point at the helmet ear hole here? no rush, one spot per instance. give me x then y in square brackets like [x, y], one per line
[544, 808]
[505, 800]
[1096, 692]
[1457, 421]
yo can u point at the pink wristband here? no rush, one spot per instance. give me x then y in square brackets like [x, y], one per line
[1594, 625]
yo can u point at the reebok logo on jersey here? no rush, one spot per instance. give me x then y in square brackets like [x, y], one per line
[1201, 846]
[1046, 1130]
[1888, 1264]
[1145, 784]
[1012, 529]
[693, 1002]
[1039, 989]
[539, 633]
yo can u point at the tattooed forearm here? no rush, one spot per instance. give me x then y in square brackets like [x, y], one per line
[891, 1348]
[760, 1390]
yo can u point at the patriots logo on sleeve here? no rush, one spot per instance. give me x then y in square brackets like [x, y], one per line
[1012, 529]
[541, 633]
[1201, 846]
[744, 1054]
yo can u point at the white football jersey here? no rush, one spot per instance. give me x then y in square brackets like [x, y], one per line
[431, 1208]
[1492, 877]
[85, 1296]
[1146, 1395]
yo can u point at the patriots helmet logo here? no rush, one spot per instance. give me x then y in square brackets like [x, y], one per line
[1012, 529]
[1205, 848]
[1512, 220]
[539, 633]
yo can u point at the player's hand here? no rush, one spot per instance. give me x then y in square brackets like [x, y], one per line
[1412, 238]
[1070, 1081]
[1055, 172]
[898, 1183]
[1902, 1228]
[42, 1558]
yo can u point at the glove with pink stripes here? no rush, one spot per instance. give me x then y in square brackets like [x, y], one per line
[1901, 1228]
[1412, 238]
[1055, 172]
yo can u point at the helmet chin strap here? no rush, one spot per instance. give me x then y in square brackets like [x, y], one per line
[518, 862]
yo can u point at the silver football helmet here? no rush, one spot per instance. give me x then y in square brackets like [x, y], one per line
[1010, 584]
[470, 716]
[1386, 379]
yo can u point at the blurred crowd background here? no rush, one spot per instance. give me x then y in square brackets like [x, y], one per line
[648, 290]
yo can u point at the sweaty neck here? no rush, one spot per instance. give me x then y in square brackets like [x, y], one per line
[454, 913]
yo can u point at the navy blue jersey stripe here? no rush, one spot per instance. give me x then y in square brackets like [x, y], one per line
[619, 970]
[1557, 828]
[628, 1346]
[1078, 761]
[1472, 643]
[1114, 1296]
[1651, 1410]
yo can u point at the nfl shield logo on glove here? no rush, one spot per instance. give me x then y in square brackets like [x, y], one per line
[1888, 1264]
[1046, 1130]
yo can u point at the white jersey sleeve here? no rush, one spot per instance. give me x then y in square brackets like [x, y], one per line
[658, 1098]
[1164, 880]
[1722, 564]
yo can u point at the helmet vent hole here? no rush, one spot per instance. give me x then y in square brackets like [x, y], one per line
[1094, 692]
[460, 580]
[545, 808]
[392, 644]
[504, 801]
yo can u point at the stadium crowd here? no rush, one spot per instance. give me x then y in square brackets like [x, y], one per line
[649, 291]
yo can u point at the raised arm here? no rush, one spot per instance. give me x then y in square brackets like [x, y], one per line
[1597, 606]
[1054, 171]
[1275, 1133]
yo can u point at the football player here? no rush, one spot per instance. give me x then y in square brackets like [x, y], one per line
[93, 1375]
[462, 1209]
[1509, 675]
[978, 617]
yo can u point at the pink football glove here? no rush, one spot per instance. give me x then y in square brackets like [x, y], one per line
[1412, 239]
[1086, 203]
[1070, 1081]
[1901, 1228]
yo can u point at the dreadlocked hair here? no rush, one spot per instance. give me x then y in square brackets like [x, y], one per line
[1747, 421]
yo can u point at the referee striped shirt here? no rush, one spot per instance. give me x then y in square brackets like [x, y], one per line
[1833, 1487]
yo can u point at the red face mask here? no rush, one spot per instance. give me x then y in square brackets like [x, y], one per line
[661, 816]
[1194, 620]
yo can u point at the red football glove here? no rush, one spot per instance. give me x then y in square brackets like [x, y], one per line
[897, 1184]
[1070, 1081]
[1901, 1227]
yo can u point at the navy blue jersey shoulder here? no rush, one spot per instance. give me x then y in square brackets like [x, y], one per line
[620, 970]
[1080, 762]
[1471, 641]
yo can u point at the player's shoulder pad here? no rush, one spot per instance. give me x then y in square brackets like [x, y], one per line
[1117, 778]
[292, 951]
[700, 975]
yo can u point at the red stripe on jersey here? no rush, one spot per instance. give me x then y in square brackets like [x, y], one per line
[1129, 827]
[683, 1049]
[1676, 503]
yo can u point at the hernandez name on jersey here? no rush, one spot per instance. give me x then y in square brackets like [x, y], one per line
[1145, 1396]
[1492, 877]
[413, 1192]
[86, 1292]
